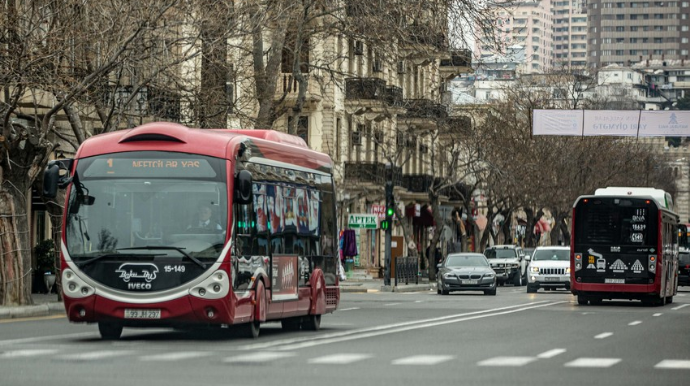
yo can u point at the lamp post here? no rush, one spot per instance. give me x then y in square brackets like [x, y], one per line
[388, 222]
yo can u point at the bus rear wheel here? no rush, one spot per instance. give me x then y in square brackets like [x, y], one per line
[110, 331]
[582, 300]
[311, 322]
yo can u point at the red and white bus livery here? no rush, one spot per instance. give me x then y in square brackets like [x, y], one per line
[170, 226]
[624, 245]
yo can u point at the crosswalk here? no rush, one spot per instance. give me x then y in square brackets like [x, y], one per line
[259, 357]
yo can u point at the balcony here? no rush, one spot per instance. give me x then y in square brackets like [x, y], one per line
[289, 86]
[428, 36]
[365, 88]
[370, 172]
[418, 183]
[461, 58]
[394, 96]
[424, 108]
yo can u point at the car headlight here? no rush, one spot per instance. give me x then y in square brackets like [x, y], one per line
[567, 270]
[489, 275]
[534, 269]
[447, 276]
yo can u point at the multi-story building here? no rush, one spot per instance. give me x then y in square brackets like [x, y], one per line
[527, 24]
[569, 33]
[621, 32]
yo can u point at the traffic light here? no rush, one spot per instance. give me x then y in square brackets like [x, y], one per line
[385, 224]
[390, 201]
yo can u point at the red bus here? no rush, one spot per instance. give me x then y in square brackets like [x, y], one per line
[623, 246]
[167, 226]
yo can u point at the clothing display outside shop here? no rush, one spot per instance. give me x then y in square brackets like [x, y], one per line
[348, 249]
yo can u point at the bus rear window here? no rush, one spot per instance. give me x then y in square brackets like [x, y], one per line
[616, 222]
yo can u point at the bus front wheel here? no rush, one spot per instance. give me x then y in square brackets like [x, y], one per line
[110, 331]
[311, 322]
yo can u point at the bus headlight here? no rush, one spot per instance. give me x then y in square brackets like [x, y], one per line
[215, 286]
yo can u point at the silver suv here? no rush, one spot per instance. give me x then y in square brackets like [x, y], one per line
[508, 261]
[549, 268]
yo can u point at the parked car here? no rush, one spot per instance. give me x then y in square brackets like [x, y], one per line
[528, 252]
[466, 272]
[509, 263]
[684, 267]
[549, 268]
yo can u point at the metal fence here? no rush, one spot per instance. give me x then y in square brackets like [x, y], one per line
[406, 270]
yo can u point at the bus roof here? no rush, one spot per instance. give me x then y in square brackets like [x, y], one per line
[220, 143]
[663, 198]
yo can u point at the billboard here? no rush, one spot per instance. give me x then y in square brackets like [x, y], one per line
[619, 123]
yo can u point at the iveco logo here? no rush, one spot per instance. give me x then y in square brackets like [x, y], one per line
[146, 271]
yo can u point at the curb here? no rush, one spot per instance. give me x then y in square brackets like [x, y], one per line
[45, 309]
[407, 288]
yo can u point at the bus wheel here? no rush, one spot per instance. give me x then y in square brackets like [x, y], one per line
[312, 322]
[595, 301]
[291, 324]
[110, 331]
[581, 300]
[251, 329]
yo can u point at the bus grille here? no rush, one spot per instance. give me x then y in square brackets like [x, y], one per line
[552, 271]
[331, 296]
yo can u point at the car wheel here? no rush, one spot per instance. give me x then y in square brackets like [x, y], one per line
[582, 300]
[517, 280]
[444, 292]
[669, 300]
[531, 289]
[491, 292]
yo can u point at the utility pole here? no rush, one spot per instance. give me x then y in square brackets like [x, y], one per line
[388, 222]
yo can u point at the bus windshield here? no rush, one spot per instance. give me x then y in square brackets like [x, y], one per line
[616, 221]
[147, 205]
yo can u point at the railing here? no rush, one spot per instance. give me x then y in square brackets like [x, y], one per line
[406, 270]
[374, 172]
[461, 58]
[418, 183]
[365, 88]
[394, 96]
[424, 108]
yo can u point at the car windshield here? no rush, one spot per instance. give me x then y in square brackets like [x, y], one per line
[466, 261]
[494, 253]
[552, 254]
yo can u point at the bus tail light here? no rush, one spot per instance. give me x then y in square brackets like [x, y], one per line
[652, 264]
[578, 261]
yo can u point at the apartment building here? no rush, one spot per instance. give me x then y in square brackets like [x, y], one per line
[621, 32]
[528, 24]
[569, 33]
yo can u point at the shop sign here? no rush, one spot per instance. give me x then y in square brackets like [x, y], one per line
[364, 221]
[378, 210]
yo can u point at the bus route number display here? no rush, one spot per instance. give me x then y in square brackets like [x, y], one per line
[638, 225]
[133, 167]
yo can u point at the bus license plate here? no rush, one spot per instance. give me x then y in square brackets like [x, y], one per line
[614, 281]
[142, 314]
[470, 281]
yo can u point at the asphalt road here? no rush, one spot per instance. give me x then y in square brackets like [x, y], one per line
[513, 338]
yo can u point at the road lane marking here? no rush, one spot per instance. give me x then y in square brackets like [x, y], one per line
[339, 359]
[679, 307]
[392, 304]
[635, 323]
[33, 319]
[259, 346]
[603, 335]
[299, 343]
[350, 309]
[551, 353]
[418, 301]
[658, 314]
[175, 356]
[258, 357]
[26, 353]
[423, 360]
[94, 355]
[49, 337]
[673, 364]
[593, 362]
[507, 361]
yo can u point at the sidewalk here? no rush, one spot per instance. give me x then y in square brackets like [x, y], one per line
[44, 305]
[359, 282]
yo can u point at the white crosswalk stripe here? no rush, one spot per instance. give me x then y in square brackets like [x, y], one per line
[26, 353]
[340, 359]
[507, 361]
[673, 364]
[175, 356]
[423, 360]
[593, 362]
[94, 355]
[258, 357]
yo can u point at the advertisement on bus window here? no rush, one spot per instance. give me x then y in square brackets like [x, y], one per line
[282, 208]
[285, 277]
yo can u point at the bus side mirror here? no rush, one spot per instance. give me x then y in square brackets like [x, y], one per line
[50, 180]
[243, 187]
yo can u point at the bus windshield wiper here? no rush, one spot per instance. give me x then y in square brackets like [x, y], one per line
[82, 264]
[168, 248]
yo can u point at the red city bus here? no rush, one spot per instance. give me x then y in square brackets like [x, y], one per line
[167, 226]
[624, 246]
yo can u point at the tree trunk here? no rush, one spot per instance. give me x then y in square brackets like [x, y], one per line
[15, 258]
